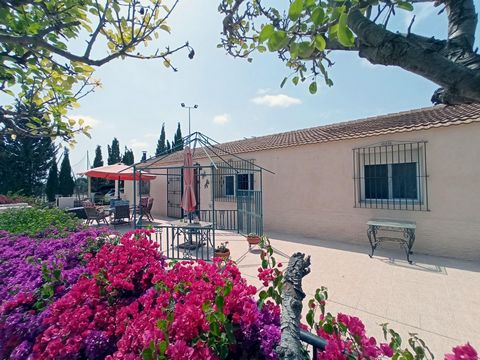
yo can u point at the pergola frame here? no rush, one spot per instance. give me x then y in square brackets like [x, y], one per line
[220, 163]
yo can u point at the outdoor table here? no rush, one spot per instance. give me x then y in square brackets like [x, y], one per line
[78, 211]
[195, 235]
[407, 228]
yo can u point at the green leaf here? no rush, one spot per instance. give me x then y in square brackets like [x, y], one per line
[313, 88]
[405, 5]
[219, 301]
[294, 47]
[320, 42]
[283, 82]
[214, 328]
[310, 318]
[295, 10]
[318, 15]
[261, 49]
[328, 328]
[295, 80]
[345, 35]
[162, 346]
[305, 49]
[266, 32]
[277, 40]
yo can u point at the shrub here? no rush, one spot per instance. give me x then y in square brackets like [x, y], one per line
[132, 306]
[34, 274]
[38, 222]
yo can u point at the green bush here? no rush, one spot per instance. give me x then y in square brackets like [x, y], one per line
[38, 222]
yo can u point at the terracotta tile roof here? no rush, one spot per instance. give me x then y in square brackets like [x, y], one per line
[413, 120]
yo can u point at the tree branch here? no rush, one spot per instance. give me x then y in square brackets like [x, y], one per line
[462, 23]
[292, 296]
[381, 46]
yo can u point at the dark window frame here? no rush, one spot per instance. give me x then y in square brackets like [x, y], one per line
[391, 175]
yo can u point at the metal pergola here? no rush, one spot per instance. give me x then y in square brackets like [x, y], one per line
[224, 169]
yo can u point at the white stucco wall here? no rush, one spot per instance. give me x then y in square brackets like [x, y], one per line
[312, 191]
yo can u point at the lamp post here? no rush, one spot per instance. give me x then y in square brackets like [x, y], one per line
[189, 108]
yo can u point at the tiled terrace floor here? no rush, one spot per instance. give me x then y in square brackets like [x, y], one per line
[438, 298]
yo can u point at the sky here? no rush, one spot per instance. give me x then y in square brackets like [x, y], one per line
[237, 99]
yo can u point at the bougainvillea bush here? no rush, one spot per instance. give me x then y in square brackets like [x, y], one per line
[133, 306]
[38, 222]
[90, 297]
[34, 272]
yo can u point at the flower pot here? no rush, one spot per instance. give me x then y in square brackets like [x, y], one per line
[222, 254]
[253, 240]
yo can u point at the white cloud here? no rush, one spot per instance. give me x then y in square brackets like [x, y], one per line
[279, 100]
[221, 119]
[138, 144]
[151, 136]
[263, 91]
[87, 120]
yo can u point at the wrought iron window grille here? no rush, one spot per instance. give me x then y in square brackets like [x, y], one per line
[391, 175]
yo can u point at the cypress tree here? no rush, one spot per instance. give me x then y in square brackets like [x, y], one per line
[128, 158]
[161, 147]
[168, 148]
[177, 144]
[51, 188]
[25, 161]
[97, 161]
[65, 180]
[114, 153]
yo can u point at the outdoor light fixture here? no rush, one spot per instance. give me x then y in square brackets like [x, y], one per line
[189, 108]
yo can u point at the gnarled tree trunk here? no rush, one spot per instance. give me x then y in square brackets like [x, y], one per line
[453, 64]
[292, 297]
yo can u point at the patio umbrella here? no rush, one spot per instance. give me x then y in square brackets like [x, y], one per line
[189, 202]
[117, 172]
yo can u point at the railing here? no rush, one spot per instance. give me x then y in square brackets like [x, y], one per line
[184, 242]
[224, 219]
[317, 342]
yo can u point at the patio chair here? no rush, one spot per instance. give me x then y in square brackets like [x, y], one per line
[93, 214]
[121, 212]
[88, 203]
[149, 209]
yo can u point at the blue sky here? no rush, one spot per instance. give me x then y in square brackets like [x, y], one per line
[237, 99]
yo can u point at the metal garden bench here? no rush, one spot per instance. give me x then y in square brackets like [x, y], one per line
[406, 228]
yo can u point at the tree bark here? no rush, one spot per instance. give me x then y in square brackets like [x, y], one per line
[461, 83]
[290, 346]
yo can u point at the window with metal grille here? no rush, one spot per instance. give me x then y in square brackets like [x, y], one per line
[245, 182]
[391, 175]
[233, 178]
[229, 185]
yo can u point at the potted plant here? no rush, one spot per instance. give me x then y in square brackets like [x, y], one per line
[253, 239]
[222, 250]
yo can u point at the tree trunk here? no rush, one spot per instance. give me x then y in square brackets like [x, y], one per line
[454, 68]
[290, 347]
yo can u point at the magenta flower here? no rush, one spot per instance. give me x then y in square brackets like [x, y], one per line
[463, 352]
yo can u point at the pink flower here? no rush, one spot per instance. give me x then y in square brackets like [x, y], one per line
[463, 352]
[386, 350]
[179, 351]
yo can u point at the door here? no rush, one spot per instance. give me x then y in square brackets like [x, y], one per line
[174, 193]
[249, 212]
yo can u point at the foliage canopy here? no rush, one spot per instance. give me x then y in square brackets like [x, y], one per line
[304, 33]
[50, 49]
